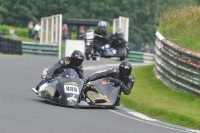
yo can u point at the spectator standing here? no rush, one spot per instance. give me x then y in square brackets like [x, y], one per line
[30, 29]
[64, 32]
[142, 47]
[81, 32]
[36, 31]
[147, 48]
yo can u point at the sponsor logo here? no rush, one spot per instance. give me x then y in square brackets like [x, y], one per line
[71, 83]
[71, 98]
[70, 76]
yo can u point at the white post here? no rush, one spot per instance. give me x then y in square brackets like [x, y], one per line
[52, 29]
[56, 29]
[53, 32]
[41, 32]
[127, 27]
[47, 25]
[60, 36]
[124, 25]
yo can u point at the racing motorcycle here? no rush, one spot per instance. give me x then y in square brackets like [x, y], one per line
[106, 52]
[121, 50]
[67, 89]
[89, 43]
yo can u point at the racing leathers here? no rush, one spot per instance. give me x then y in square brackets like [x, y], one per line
[125, 83]
[100, 40]
[58, 68]
[115, 42]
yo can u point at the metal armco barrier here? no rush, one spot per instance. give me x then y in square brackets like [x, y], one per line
[10, 46]
[34, 49]
[140, 57]
[177, 67]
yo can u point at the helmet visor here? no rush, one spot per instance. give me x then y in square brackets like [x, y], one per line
[102, 28]
[78, 61]
[126, 71]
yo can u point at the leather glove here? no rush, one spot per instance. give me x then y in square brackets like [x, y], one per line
[116, 82]
[85, 80]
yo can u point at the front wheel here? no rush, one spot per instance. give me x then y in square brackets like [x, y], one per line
[97, 58]
[122, 52]
[122, 58]
[87, 53]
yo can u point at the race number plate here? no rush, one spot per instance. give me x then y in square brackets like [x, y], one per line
[71, 89]
[90, 35]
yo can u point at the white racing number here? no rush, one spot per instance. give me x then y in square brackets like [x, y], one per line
[71, 89]
[90, 35]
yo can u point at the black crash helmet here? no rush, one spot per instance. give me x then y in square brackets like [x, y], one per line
[125, 68]
[119, 33]
[77, 58]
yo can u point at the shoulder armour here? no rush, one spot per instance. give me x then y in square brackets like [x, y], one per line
[65, 61]
[115, 70]
[131, 77]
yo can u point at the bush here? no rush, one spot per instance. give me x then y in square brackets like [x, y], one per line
[18, 31]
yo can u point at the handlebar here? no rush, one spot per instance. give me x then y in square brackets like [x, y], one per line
[82, 35]
[98, 35]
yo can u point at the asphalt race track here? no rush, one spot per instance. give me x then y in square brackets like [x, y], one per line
[21, 111]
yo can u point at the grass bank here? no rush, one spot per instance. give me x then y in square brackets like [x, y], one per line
[181, 26]
[151, 97]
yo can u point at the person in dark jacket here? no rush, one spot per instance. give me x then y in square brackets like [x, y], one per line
[120, 77]
[75, 62]
[101, 35]
[117, 39]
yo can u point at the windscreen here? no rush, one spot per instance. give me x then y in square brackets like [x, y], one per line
[70, 73]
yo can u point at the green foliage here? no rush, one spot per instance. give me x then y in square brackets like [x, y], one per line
[151, 97]
[74, 35]
[18, 31]
[181, 26]
[141, 13]
[110, 30]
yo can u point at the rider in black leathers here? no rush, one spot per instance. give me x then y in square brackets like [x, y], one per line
[75, 62]
[119, 76]
[118, 39]
[101, 31]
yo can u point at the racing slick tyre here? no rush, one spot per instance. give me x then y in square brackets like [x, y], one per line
[122, 53]
[122, 58]
[87, 53]
[96, 58]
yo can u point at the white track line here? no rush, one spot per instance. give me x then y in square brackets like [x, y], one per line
[189, 131]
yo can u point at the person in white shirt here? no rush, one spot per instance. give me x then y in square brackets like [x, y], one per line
[36, 31]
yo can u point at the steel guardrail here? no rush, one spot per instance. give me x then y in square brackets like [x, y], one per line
[135, 56]
[177, 67]
[34, 49]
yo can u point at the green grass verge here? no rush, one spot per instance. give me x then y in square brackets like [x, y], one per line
[181, 26]
[151, 97]
[24, 39]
